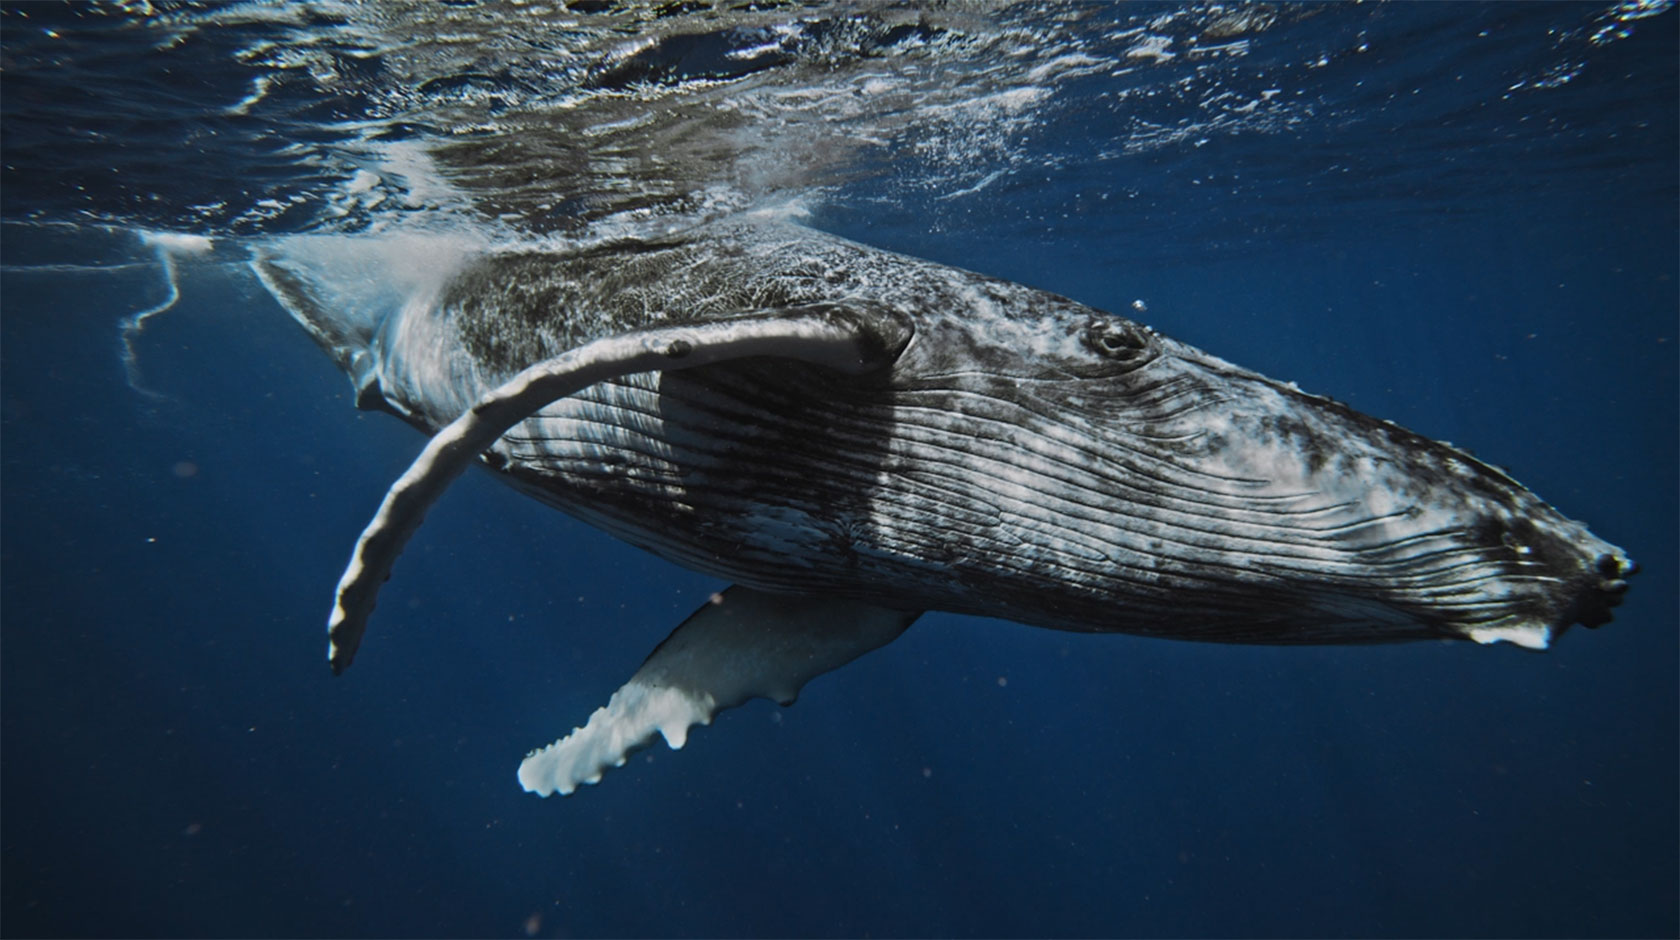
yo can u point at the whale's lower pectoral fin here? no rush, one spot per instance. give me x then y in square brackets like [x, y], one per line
[743, 644]
[846, 337]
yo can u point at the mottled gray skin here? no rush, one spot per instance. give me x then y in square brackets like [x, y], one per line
[1025, 457]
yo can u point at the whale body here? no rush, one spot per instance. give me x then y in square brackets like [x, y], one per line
[853, 437]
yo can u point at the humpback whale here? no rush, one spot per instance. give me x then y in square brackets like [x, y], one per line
[853, 437]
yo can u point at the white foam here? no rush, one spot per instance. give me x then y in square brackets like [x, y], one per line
[984, 182]
[1153, 48]
[366, 278]
[259, 91]
[177, 243]
[425, 185]
[166, 246]
[361, 182]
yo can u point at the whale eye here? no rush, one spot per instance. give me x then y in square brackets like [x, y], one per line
[1120, 341]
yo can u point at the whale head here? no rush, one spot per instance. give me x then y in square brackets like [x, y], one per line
[1104, 477]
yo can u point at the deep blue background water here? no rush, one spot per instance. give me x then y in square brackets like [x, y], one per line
[179, 761]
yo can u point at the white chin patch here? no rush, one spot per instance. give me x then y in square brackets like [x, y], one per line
[1528, 636]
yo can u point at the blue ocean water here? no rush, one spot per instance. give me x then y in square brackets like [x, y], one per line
[1459, 217]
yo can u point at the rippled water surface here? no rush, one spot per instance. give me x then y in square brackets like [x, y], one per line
[1458, 216]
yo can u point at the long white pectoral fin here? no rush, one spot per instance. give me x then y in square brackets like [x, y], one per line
[846, 337]
[744, 644]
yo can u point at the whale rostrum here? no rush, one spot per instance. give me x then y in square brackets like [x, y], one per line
[854, 437]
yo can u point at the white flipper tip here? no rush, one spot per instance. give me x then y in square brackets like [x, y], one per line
[628, 721]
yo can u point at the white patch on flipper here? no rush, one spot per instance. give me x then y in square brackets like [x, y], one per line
[627, 722]
[743, 644]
